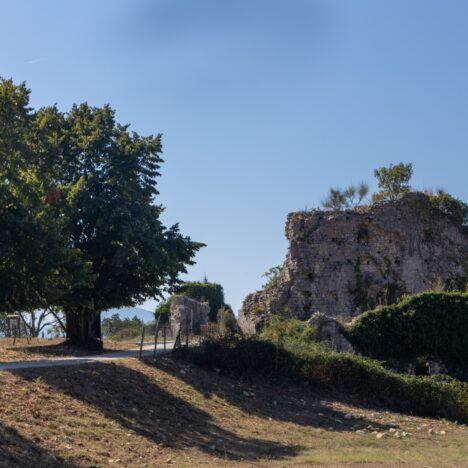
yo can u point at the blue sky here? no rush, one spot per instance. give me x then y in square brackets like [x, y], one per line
[263, 104]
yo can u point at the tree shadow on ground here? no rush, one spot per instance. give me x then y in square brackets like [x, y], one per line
[278, 399]
[138, 403]
[62, 350]
[19, 452]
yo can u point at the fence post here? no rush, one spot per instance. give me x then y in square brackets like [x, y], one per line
[186, 332]
[142, 340]
[277, 354]
[156, 332]
[164, 335]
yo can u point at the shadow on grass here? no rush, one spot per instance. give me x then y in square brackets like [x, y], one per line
[19, 452]
[137, 403]
[278, 399]
[63, 350]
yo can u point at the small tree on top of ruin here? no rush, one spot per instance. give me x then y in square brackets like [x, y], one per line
[393, 181]
[351, 197]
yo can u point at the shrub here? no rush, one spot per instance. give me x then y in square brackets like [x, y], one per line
[329, 370]
[393, 181]
[432, 324]
[288, 331]
[163, 311]
[450, 206]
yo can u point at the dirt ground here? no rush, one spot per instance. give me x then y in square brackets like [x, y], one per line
[131, 414]
[39, 349]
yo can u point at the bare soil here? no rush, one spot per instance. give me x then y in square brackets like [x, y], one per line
[131, 414]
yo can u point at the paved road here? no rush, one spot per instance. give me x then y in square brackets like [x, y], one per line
[73, 361]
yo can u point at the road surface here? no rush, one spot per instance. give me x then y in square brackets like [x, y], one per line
[148, 350]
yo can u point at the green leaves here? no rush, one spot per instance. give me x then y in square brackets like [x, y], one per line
[79, 222]
[428, 324]
[393, 181]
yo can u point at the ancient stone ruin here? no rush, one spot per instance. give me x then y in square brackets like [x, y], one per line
[329, 330]
[344, 262]
[187, 312]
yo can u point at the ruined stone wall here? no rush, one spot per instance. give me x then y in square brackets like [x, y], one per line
[344, 262]
[184, 309]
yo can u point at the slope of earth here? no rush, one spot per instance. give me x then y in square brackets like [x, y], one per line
[133, 413]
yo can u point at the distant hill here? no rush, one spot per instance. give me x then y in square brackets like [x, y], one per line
[130, 312]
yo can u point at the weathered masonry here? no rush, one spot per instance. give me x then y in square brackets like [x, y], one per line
[344, 262]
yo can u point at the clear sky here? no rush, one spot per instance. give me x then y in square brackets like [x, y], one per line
[263, 104]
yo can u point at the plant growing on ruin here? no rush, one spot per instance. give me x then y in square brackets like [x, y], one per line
[273, 276]
[342, 199]
[204, 291]
[393, 181]
[450, 206]
[163, 311]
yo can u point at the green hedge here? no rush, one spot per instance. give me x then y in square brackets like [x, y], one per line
[354, 375]
[433, 324]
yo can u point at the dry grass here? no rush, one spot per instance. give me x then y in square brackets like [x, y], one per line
[133, 414]
[39, 349]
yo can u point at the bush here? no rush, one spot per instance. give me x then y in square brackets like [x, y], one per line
[450, 206]
[163, 311]
[204, 291]
[329, 370]
[433, 324]
[288, 331]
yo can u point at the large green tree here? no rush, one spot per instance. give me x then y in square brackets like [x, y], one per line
[96, 182]
[33, 256]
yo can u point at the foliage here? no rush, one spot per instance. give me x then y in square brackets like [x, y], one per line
[273, 276]
[355, 375]
[204, 291]
[163, 311]
[79, 226]
[450, 206]
[339, 199]
[227, 320]
[283, 330]
[393, 181]
[35, 260]
[121, 329]
[433, 324]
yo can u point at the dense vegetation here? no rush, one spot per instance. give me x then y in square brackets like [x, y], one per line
[116, 328]
[79, 226]
[451, 207]
[428, 325]
[356, 376]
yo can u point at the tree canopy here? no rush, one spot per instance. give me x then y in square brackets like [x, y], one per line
[393, 180]
[80, 225]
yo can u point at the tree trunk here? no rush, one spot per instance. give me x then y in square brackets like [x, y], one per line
[84, 328]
